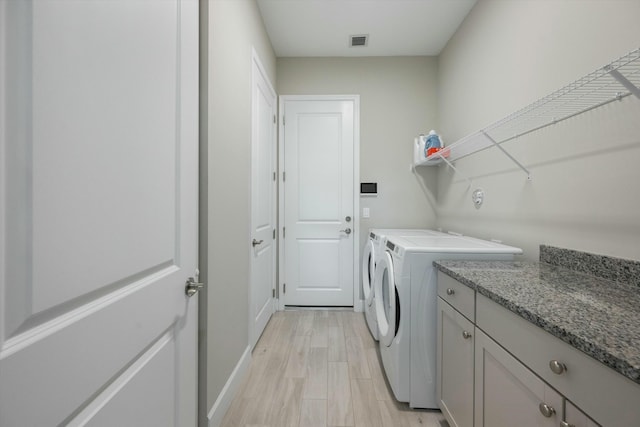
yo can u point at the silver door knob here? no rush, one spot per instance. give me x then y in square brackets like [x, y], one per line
[566, 424]
[192, 287]
[546, 410]
[557, 367]
[466, 335]
[347, 231]
[256, 242]
[450, 291]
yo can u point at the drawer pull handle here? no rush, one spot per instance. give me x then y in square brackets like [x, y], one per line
[557, 368]
[547, 410]
[466, 335]
[450, 291]
[566, 424]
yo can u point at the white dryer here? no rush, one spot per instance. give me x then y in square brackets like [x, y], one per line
[406, 295]
[370, 255]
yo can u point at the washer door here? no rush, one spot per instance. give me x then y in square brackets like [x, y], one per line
[368, 267]
[385, 291]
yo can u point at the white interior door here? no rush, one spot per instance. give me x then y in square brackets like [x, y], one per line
[319, 202]
[98, 212]
[263, 202]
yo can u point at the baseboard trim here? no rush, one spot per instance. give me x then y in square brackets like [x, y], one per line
[223, 402]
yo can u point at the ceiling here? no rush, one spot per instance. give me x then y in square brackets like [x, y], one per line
[395, 27]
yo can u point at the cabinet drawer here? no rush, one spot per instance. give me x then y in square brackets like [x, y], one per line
[608, 397]
[459, 296]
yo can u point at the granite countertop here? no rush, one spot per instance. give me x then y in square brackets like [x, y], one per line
[598, 316]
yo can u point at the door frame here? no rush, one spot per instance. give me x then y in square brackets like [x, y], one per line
[257, 67]
[282, 99]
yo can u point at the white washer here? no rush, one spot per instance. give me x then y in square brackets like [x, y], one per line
[406, 295]
[370, 255]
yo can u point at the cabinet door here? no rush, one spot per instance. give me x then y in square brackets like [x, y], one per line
[455, 366]
[507, 393]
[574, 417]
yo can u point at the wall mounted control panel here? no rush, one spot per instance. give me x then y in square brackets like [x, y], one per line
[368, 188]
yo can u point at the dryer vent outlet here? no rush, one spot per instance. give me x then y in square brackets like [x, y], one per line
[478, 198]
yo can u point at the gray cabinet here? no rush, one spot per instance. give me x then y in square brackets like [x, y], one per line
[602, 393]
[497, 369]
[455, 365]
[507, 393]
[574, 417]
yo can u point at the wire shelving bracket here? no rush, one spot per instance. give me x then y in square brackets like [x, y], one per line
[613, 82]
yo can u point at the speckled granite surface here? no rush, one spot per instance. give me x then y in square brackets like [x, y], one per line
[598, 316]
[612, 268]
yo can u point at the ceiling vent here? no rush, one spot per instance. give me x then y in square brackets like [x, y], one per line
[358, 40]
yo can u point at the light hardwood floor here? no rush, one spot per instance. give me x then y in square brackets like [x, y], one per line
[320, 368]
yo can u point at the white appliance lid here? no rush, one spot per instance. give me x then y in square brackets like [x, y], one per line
[452, 244]
[386, 232]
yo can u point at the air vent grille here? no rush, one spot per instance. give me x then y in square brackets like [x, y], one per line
[359, 40]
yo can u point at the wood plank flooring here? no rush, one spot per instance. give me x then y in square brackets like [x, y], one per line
[320, 368]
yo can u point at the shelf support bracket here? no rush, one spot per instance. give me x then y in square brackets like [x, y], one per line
[625, 82]
[508, 155]
[454, 168]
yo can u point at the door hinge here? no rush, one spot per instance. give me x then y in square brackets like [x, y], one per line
[274, 234]
[274, 176]
[284, 288]
[274, 118]
[284, 232]
[273, 293]
[284, 176]
[282, 120]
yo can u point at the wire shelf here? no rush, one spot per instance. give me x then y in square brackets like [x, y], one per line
[612, 82]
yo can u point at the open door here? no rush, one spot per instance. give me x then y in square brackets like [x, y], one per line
[263, 201]
[98, 212]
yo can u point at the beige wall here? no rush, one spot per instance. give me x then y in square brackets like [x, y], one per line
[506, 54]
[232, 28]
[397, 102]
[583, 193]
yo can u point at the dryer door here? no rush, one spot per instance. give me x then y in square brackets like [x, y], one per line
[386, 299]
[368, 266]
